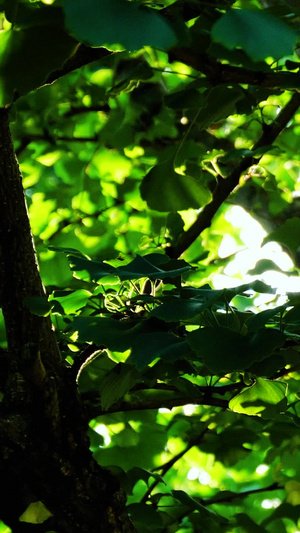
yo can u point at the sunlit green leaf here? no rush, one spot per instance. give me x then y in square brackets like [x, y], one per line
[264, 398]
[71, 301]
[36, 513]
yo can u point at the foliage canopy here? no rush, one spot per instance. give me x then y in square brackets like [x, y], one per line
[140, 129]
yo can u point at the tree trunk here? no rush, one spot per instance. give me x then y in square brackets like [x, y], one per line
[43, 444]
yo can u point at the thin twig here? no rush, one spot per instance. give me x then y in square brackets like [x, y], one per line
[169, 464]
[237, 495]
[220, 73]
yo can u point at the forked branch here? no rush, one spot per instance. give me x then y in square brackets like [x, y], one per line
[226, 186]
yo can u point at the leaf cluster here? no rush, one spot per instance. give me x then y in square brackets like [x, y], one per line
[139, 129]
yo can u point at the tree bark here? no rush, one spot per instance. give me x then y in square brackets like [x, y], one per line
[44, 449]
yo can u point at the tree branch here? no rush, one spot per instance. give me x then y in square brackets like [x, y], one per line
[82, 56]
[236, 495]
[169, 403]
[169, 464]
[221, 73]
[226, 185]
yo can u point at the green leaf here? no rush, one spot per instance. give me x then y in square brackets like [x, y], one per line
[292, 317]
[117, 22]
[244, 152]
[136, 473]
[220, 102]
[96, 270]
[145, 515]
[178, 309]
[117, 382]
[145, 338]
[71, 301]
[149, 346]
[68, 251]
[285, 510]
[174, 226]
[27, 56]
[247, 524]
[288, 234]
[111, 333]
[188, 98]
[224, 350]
[94, 371]
[166, 190]
[262, 266]
[153, 266]
[187, 501]
[261, 319]
[38, 305]
[265, 398]
[36, 513]
[24, 15]
[193, 301]
[259, 34]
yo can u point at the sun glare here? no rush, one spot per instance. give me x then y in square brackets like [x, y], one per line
[239, 269]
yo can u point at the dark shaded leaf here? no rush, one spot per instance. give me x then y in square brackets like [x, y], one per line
[117, 22]
[224, 350]
[166, 190]
[161, 344]
[258, 321]
[259, 34]
[108, 332]
[187, 501]
[116, 383]
[153, 266]
[27, 56]
[38, 305]
[144, 514]
[248, 525]
[220, 102]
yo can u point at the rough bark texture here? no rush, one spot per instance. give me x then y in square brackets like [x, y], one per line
[44, 453]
